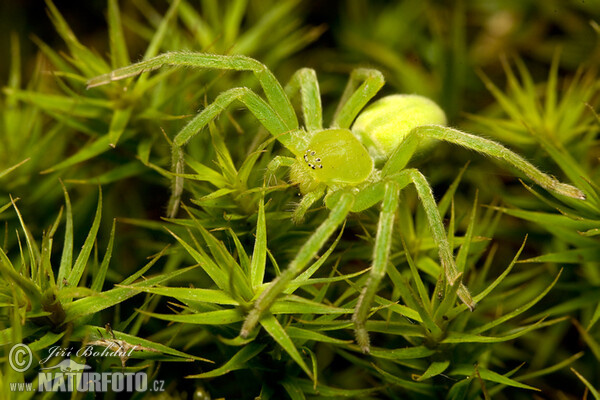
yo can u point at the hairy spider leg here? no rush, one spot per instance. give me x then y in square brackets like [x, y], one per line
[263, 112]
[306, 253]
[276, 163]
[278, 108]
[393, 185]
[306, 202]
[362, 86]
[304, 82]
[401, 156]
[381, 253]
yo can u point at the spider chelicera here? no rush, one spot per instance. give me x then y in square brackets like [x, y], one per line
[356, 163]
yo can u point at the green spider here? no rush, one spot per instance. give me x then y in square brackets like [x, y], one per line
[356, 163]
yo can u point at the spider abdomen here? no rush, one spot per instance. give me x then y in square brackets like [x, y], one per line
[384, 124]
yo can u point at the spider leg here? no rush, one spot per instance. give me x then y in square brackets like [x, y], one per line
[304, 81]
[273, 90]
[404, 178]
[279, 111]
[276, 163]
[263, 112]
[307, 201]
[381, 255]
[401, 156]
[362, 86]
[439, 233]
[306, 253]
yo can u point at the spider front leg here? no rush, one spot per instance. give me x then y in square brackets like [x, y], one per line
[381, 254]
[263, 112]
[307, 200]
[277, 115]
[304, 81]
[304, 256]
[276, 163]
[356, 96]
[269, 83]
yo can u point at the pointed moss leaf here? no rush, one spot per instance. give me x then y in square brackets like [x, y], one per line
[332, 392]
[77, 272]
[519, 310]
[396, 328]
[551, 220]
[272, 326]
[205, 173]
[121, 172]
[304, 276]
[423, 296]
[130, 279]
[446, 200]
[409, 385]
[118, 123]
[32, 247]
[461, 258]
[588, 339]
[407, 353]
[119, 56]
[295, 392]
[434, 369]
[487, 375]
[98, 280]
[88, 62]
[47, 340]
[83, 107]
[7, 206]
[259, 255]
[298, 305]
[595, 317]
[212, 296]
[161, 31]
[8, 272]
[90, 332]
[241, 252]
[215, 272]
[305, 334]
[319, 281]
[93, 304]
[492, 286]
[575, 256]
[219, 317]
[236, 277]
[97, 147]
[460, 389]
[238, 361]
[551, 369]
[224, 159]
[458, 337]
[399, 308]
[587, 384]
[10, 169]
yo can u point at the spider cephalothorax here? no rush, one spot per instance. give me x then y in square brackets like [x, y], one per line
[353, 170]
[334, 157]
